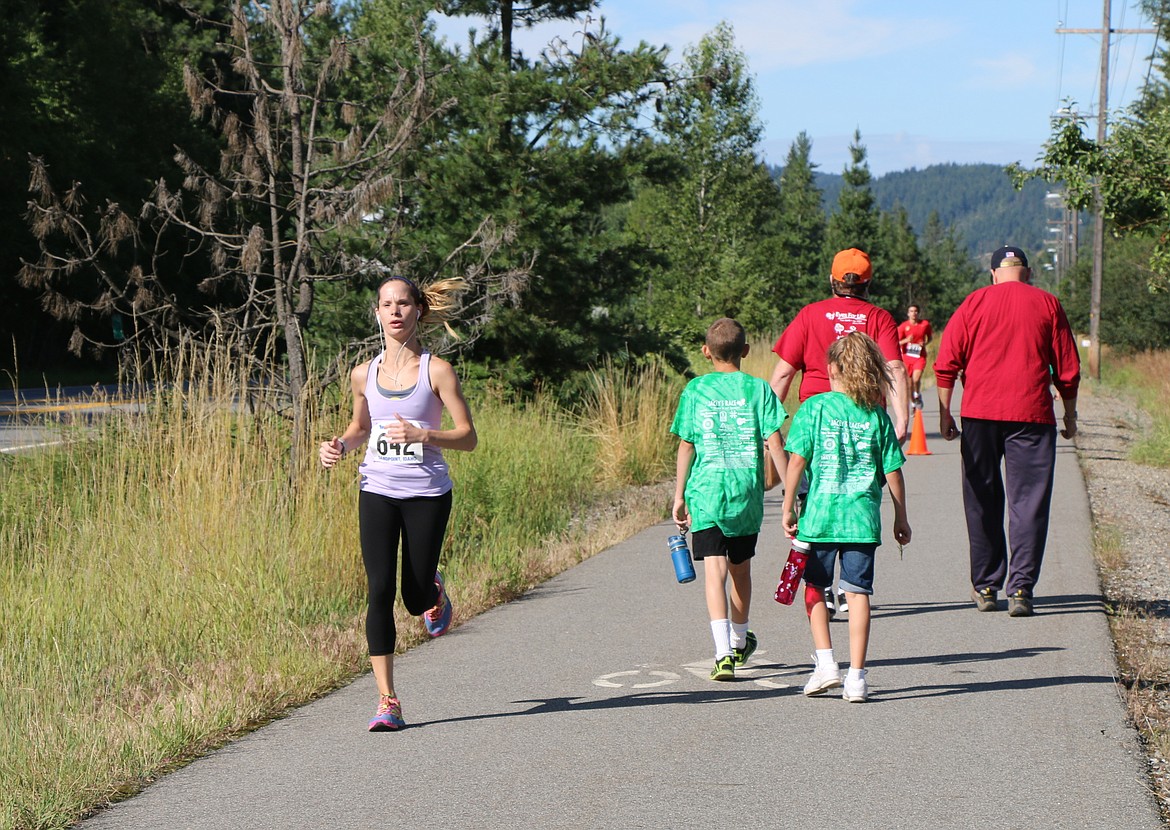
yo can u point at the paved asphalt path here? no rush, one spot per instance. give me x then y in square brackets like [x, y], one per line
[586, 704]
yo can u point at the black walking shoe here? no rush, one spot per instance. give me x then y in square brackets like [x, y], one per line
[1020, 604]
[985, 599]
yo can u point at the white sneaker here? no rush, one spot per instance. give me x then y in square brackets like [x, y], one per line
[855, 691]
[823, 678]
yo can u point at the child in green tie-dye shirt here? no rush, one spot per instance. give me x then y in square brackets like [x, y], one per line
[846, 441]
[723, 421]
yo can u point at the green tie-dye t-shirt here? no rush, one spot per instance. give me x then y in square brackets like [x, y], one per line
[849, 451]
[727, 416]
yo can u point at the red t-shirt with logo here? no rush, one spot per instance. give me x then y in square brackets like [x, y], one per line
[805, 342]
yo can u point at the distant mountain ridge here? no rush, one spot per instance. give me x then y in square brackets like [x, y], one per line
[978, 200]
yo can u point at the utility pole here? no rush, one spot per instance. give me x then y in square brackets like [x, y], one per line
[1098, 202]
[1099, 205]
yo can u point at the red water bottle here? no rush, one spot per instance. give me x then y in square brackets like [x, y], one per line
[793, 571]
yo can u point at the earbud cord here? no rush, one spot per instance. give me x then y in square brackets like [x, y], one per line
[398, 354]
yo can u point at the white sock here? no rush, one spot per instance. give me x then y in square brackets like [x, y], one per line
[721, 632]
[857, 674]
[825, 657]
[739, 634]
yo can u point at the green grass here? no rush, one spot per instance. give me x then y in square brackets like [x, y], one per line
[166, 583]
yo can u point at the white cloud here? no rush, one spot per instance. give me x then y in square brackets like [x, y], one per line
[774, 34]
[1006, 71]
[777, 34]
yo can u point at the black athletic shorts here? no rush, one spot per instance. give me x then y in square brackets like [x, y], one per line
[711, 542]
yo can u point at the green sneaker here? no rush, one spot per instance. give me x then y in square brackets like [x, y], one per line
[741, 655]
[724, 669]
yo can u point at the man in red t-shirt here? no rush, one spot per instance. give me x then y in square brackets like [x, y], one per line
[914, 336]
[1007, 342]
[804, 345]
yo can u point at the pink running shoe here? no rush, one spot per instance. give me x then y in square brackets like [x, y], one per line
[388, 718]
[438, 619]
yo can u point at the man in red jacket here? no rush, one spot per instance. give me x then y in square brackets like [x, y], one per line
[1007, 342]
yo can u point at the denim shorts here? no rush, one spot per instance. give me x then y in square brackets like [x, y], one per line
[856, 566]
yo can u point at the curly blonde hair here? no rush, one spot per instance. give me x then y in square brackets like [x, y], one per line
[862, 373]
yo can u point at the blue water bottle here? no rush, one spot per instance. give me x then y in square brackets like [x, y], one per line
[680, 554]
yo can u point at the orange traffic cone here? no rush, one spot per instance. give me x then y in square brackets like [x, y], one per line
[918, 436]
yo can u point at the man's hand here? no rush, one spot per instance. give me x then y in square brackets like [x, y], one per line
[946, 425]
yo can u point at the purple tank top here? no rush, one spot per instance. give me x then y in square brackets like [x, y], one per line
[403, 470]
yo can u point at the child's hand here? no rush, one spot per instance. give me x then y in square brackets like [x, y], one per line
[682, 519]
[902, 532]
[790, 523]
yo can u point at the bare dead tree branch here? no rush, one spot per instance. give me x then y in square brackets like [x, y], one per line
[233, 255]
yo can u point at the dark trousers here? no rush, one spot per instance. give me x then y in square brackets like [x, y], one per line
[1028, 454]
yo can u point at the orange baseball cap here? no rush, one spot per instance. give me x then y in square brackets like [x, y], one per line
[852, 261]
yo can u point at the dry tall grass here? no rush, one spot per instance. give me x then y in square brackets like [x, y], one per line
[1147, 377]
[628, 413]
[1137, 626]
[166, 583]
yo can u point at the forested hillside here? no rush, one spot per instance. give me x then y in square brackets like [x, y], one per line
[977, 200]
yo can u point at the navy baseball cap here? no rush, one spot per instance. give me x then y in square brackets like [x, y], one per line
[1009, 256]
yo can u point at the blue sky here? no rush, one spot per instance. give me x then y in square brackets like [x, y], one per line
[926, 81]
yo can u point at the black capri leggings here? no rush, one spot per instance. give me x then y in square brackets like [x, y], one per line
[421, 522]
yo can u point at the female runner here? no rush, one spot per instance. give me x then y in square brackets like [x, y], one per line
[398, 399]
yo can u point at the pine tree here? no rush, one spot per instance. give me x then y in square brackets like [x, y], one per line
[899, 271]
[801, 263]
[950, 273]
[854, 224]
[706, 221]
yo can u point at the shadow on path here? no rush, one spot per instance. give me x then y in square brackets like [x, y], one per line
[728, 693]
[1029, 683]
[1060, 604]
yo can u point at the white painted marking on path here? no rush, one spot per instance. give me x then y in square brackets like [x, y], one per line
[761, 672]
[758, 671]
[665, 679]
[668, 678]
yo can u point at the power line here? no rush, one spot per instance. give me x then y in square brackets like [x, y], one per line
[1060, 17]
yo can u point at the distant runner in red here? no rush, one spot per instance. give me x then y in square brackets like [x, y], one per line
[914, 336]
